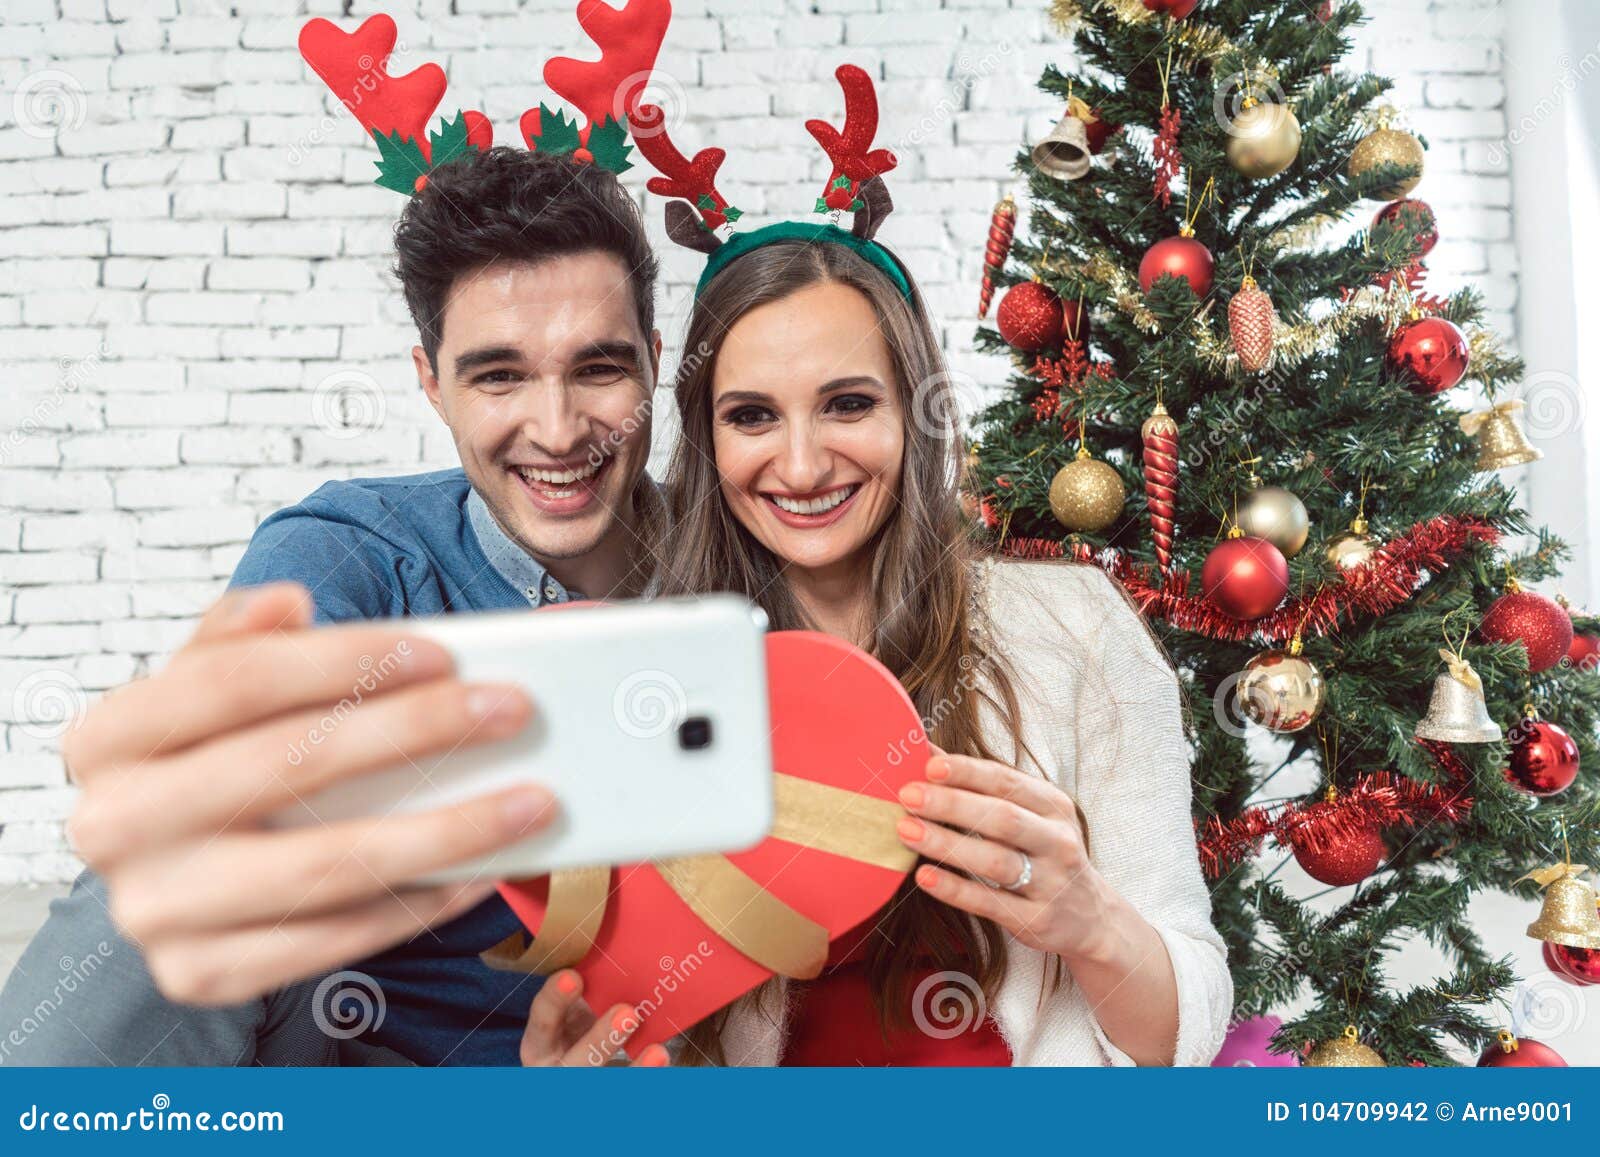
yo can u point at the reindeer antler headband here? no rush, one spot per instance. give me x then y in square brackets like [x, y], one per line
[855, 185]
[396, 109]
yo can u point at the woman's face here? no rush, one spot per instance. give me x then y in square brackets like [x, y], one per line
[808, 425]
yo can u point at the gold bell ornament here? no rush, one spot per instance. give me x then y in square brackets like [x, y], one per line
[1345, 1052]
[1282, 690]
[1457, 712]
[1569, 916]
[1065, 152]
[1501, 442]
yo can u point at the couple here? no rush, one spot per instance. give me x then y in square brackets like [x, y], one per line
[804, 479]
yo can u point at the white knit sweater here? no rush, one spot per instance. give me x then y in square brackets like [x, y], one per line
[1100, 709]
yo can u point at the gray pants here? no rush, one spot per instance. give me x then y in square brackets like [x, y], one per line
[81, 995]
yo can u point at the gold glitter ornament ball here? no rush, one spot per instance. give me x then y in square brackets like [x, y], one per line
[1087, 494]
[1388, 146]
[1263, 140]
[1345, 1052]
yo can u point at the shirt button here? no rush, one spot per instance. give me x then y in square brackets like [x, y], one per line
[550, 592]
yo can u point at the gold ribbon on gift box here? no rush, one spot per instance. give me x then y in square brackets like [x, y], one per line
[746, 915]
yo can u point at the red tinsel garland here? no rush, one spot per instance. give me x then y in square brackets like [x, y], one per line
[1382, 799]
[1386, 581]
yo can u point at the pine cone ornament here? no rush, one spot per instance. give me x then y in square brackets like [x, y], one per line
[1250, 321]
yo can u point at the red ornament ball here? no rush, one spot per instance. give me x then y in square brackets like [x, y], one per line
[1030, 316]
[1584, 654]
[1417, 217]
[1245, 577]
[1520, 1054]
[1538, 623]
[1177, 9]
[1180, 257]
[1544, 758]
[1580, 966]
[1429, 354]
[1342, 860]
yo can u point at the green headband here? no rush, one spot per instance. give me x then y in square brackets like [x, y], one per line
[812, 231]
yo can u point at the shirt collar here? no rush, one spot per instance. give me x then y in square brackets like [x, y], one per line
[514, 564]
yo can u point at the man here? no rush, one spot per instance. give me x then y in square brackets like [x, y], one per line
[531, 283]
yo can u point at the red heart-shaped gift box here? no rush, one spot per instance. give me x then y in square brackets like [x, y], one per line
[839, 718]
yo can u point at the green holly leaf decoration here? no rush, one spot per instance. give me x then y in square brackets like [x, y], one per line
[855, 206]
[706, 201]
[840, 182]
[821, 206]
[400, 163]
[558, 136]
[608, 142]
[732, 214]
[449, 140]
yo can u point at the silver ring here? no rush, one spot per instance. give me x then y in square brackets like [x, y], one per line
[1024, 878]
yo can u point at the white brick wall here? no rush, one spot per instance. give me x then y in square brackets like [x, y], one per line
[192, 276]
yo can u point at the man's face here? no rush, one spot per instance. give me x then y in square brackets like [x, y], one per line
[545, 379]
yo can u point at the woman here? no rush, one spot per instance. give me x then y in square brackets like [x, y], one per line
[817, 474]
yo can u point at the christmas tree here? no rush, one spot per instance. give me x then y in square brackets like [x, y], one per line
[1257, 430]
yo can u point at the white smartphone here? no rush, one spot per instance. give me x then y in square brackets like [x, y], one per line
[650, 727]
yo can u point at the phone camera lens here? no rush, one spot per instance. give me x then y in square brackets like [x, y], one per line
[694, 733]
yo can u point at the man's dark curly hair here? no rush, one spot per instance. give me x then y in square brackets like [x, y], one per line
[509, 204]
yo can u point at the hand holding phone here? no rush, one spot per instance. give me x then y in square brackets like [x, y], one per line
[651, 730]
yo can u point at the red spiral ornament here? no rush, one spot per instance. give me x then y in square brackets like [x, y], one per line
[1002, 224]
[1160, 435]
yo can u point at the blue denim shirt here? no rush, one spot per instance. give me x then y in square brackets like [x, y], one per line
[417, 545]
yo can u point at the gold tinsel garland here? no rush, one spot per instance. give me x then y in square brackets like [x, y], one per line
[1193, 39]
[1126, 295]
[1293, 344]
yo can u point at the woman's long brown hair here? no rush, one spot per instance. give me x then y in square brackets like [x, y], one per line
[922, 610]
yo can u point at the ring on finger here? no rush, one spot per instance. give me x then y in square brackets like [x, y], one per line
[1024, 877]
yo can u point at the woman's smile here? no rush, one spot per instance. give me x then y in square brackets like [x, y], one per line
[813, 510]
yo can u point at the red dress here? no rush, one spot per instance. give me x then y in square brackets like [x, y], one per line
[836, 1024]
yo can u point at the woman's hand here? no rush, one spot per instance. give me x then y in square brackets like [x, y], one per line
[562, 1030]
[1012, 827]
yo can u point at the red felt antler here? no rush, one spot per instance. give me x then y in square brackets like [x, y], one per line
[693, 180]
[629, 39]
[854, 159]
[352, 65]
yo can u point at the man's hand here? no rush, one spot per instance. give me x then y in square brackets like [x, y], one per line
[563, 1030]
[258, 710]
